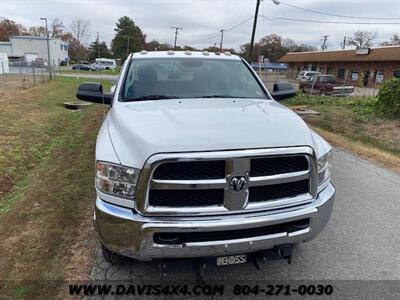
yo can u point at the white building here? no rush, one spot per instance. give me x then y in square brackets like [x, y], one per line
[31, 47]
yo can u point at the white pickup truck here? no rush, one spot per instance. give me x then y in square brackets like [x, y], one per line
[195, 159]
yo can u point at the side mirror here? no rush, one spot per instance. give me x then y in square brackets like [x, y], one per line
[283, 90]
[93, 92]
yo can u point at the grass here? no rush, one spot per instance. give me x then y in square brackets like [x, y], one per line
[385, 158]
[46, 164]
[355, 120]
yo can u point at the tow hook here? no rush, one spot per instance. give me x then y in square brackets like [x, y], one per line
[285, 252]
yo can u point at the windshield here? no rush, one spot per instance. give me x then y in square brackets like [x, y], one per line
[163, 78]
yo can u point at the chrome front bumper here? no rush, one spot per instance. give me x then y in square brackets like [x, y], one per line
[130, 234]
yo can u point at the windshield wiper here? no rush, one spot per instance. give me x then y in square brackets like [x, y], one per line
[151, 97]
[219, 96]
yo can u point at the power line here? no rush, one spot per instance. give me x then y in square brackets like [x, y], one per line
[241, 23]
[225, 30]
[336, 15]
[209, 38]
[329, 22]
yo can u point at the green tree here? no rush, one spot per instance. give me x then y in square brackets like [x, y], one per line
[152, 45]
[128, 38]
[273, 47]
[388, 99]
[97, 48]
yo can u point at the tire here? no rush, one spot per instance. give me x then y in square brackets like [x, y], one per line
[109, 256]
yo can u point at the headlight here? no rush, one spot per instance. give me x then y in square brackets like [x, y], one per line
[324, 168]
[116, 180]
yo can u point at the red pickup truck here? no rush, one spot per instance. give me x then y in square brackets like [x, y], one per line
[325, 85]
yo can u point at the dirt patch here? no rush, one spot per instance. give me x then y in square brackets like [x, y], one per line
[79, 257]
[6, 184]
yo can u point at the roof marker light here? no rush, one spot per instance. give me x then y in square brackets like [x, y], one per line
[187, 52]
[170, 52]
[206, 53]
[228, 53]
[143, 52]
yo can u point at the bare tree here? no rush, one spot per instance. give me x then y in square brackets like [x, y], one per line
[362, 39]
[55, 30]
[56, 27]
[37, 31]
[394, 41]
[81, 30]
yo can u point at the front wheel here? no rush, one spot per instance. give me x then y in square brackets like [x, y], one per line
[110, 256]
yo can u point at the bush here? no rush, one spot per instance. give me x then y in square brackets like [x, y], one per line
[388, 99]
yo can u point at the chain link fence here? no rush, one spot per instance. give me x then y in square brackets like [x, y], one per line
[22, 75]
[270, 77]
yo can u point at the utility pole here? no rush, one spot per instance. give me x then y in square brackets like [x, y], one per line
[325, 38]
[344, 43]
[222, 40]
[127, 47]
[48, 47]
[254, 29]
[98, 45]
[176, 34]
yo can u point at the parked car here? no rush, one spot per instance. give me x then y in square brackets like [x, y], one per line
[325, 85]
[83, 67]
[196, 159]
[305, 75]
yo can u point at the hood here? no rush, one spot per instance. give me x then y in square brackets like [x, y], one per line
[140, 129]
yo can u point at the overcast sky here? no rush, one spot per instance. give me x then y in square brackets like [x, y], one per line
[202, 19]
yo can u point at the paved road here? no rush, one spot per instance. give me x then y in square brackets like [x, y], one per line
[113, 78]
[361, 241]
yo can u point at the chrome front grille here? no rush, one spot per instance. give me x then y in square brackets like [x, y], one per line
[224, 182]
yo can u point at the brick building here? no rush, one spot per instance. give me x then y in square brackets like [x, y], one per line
[362, 67]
